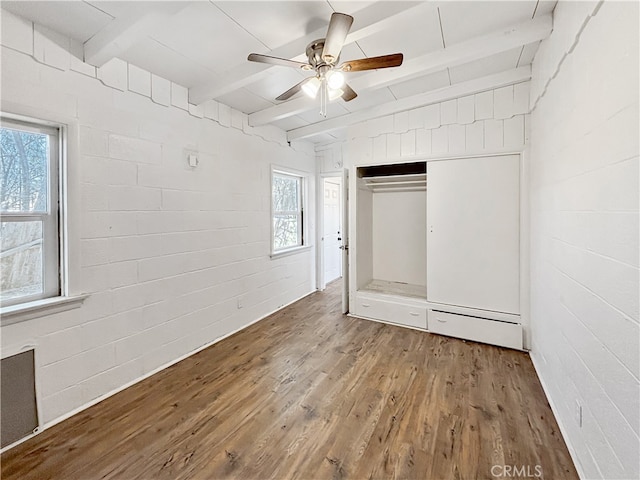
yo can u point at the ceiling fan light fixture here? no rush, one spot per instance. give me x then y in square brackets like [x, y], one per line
[311, 87]
[335, 93]
[323, 56]
[335, 79]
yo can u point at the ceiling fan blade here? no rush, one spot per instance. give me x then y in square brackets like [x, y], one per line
[257, 57]
[293, 90]
[349, 94]
[385, 61]
[339, 26]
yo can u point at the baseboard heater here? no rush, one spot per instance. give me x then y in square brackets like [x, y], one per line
[18, 407]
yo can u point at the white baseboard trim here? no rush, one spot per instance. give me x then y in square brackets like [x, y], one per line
[97, 400]
[572, 451]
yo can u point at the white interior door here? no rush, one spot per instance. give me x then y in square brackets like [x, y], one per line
[331, 229]
[473, 239]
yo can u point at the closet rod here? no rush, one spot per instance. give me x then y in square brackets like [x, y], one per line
[421, 188]
[399, 178]
[408, 182]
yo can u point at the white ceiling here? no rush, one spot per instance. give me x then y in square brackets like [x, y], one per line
[203, 45]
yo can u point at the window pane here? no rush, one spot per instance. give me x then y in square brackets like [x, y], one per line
[20, 259]
[285, 193]
[285, 231]
[23, 174]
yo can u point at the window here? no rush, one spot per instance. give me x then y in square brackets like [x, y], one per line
[29, 212]
[287, 199]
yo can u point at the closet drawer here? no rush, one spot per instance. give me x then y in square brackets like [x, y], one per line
[410, 315]
[393, 311]
[474, 328]
[369, 307]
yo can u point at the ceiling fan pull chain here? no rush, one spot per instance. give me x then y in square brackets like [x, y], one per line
[323, 97]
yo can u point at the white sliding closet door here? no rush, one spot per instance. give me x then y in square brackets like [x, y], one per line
[473, 240]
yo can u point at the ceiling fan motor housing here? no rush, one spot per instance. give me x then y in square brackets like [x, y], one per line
[314, 54]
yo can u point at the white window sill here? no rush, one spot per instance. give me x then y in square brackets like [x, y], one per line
[290, 251]
[38, 308]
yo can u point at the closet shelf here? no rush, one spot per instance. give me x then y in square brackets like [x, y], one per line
[397, 182]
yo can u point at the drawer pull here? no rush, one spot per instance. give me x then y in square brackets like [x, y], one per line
[441, 321]
[366, 305]
[414, 314]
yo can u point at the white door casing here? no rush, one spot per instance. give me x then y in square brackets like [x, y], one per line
[345, 241]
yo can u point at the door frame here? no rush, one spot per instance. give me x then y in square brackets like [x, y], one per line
[321, 284]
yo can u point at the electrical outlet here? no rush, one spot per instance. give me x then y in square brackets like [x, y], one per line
[578, 413]
[240, 305]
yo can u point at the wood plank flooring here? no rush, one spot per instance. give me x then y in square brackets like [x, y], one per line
[311, 394]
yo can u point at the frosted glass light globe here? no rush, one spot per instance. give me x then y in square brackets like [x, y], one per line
[335, 80]
[311, 87]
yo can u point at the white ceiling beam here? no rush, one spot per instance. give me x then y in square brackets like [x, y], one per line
[463, 89]
[457, 54]
[461, 53]
[369, 21]
[122, 32]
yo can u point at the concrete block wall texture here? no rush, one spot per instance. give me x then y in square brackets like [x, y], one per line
[486, 122]
[584, 232]
[172, 257]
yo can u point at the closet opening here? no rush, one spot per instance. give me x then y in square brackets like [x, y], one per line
[391, 240]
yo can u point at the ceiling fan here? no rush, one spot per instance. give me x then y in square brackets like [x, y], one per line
[324, 55]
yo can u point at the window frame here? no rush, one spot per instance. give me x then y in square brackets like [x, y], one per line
[51, 217]
[303, 242]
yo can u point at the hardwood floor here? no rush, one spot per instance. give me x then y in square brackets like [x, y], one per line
[310, 394]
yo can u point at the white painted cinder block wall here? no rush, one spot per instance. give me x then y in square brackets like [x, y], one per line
[584, 232]
[487, 122]
[168, 253]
